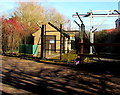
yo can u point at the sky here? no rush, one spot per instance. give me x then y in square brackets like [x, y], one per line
[70, 7]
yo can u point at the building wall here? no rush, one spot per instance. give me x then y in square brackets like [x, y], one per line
[52, 31]
[37, 40]
[119, 8]
[117, 23]
[57, 33]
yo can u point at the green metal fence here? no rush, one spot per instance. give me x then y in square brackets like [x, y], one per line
[28, 49]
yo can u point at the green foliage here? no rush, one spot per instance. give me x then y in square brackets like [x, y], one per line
[67, 57]
[101, 36]
[115, 38]
[108, 37]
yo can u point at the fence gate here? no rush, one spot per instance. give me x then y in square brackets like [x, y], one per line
[57, 43]
[51, 42]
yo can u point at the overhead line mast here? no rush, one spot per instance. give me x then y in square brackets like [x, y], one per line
[117, 13]
[92, 14]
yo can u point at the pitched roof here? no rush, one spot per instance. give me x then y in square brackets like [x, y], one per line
[110, 30]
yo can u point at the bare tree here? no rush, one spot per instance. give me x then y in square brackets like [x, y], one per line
[53, 16]
[30, 13]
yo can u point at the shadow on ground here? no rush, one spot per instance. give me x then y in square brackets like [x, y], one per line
[84, 79]
[48, 84]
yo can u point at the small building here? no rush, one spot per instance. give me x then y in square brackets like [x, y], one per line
[117, 22]
[52, 40]
[119, 8]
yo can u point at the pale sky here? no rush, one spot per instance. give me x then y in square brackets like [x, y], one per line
[70, 7]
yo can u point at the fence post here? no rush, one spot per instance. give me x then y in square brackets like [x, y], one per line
[60, 41]
[82, 41]
[42, 42]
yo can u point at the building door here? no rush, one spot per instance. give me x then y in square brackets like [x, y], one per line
[51, 42]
